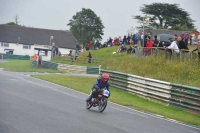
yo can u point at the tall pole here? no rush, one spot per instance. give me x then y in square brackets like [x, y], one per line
[143, 33]
[50, 43]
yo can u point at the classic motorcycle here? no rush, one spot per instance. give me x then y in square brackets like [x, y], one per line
[100, 100]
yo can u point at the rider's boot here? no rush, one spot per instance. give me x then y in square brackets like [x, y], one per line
[89, 98]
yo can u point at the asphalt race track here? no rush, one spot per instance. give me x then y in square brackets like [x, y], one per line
[29, 105]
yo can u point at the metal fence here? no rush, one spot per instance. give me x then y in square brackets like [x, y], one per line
[183, 55]
[181, 96]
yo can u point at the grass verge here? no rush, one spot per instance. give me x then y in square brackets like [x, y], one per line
[23, 66]
[84, 84]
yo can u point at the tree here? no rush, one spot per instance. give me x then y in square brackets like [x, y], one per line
[164, 15]
[16, 23]
[11, 23]
[85, 25]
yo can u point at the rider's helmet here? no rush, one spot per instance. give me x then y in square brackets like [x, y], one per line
[105, 77]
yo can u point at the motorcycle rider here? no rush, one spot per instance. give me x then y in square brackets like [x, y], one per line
[98, 85]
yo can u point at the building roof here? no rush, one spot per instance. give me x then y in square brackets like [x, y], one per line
[25, 35]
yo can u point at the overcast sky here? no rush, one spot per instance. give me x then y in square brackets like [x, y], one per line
[55, 14]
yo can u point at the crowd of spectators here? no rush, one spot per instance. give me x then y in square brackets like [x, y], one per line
[128, 43]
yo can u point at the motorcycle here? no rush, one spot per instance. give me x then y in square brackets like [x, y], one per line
[100, 100]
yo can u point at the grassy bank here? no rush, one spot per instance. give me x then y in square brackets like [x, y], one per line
[159, 68]
[84, 84]
[23, 66]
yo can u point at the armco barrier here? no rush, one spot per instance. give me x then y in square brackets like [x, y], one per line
[92, 70]
[51, 65]
[33, 63]
[17, 57]
[185, 97]
[149, 88]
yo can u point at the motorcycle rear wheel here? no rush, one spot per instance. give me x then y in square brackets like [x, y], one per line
[88, 105]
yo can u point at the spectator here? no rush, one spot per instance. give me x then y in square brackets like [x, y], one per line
[128, 40]
[94, 42]
[124, 41]
[192, 38]
[186, 39]
[181, 44]
[175, 37]
[90, 44]
[149, 46]
[155, 41]
[159, 44]
[145, 40]
[198, 37]
[89, 57]
[121, 49]
[72, 55]
[130, 50]
[110, 42]
[182, 35]
[173, 46]
[78, 49]
[120, 40]
[198, 48]
[136, 38]
[115, 41]
[142, 37]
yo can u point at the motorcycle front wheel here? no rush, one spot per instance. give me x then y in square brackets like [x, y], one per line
[102, 104]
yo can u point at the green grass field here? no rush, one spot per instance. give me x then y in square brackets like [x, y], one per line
[84, 84]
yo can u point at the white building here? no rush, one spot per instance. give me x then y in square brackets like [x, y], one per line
[18, 40]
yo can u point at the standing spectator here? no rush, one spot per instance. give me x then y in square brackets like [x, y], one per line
[115, 41]
[78, 49]
[175, 37]
[155, 41]
[142, 37]
[181, 44]
[182, 35]
[193, 39]
[149, 46]
[110, 42]
[145, 40]
[136, 38]
[94, 42]
[198, 37]
[120, 40]
[186, 39]
[159, 44]
[72, 55]
[90, 44]
[89, 57]
[198, 48]
[173, 46]
[124, 41]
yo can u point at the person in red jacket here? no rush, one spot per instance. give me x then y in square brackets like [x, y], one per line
[149, 46]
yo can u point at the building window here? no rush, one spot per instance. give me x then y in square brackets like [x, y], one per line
[26, 46]
[6, 44]
[3, 44]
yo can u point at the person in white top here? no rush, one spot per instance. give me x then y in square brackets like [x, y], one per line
[198, 38]
[173, 46]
